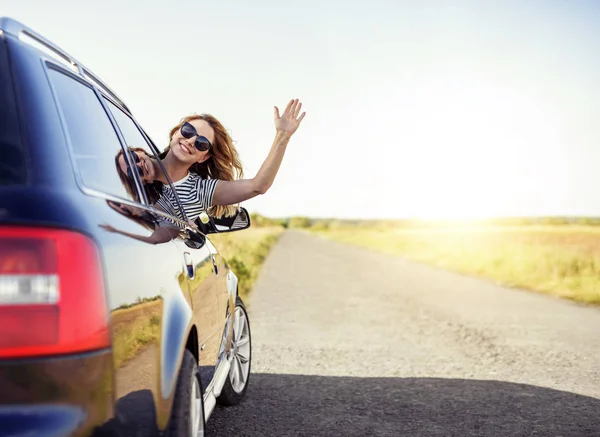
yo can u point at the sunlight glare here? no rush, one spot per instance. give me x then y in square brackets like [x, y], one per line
[470, 135]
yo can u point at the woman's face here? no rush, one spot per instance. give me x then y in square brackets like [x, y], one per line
[144, 165]
[183, 148]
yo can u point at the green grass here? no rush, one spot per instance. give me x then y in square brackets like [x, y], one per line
[138, 301]
[560, 260]
[135, 328]
[245, 252]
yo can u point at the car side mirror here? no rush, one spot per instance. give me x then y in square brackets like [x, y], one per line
[238, 222]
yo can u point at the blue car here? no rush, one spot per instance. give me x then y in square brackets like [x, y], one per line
[116, 317]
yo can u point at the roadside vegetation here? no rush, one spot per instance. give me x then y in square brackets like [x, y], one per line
[245, 251]
[134, 327]
[557, 256]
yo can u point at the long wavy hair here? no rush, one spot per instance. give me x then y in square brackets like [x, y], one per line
[223, 162]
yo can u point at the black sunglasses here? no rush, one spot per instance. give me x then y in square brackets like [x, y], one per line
[188, 131]
[136, 160]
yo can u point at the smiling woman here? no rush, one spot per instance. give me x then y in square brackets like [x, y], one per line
[204, 166]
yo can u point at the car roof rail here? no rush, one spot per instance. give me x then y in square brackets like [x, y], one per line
[18, 30]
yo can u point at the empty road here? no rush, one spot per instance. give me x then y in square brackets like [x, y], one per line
[350, 342]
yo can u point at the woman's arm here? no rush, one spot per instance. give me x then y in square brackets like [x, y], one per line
[232, 192]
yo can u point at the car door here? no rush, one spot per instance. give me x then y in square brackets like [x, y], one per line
[203, 283]
[144, 282]
[221, 270]
[200, 281]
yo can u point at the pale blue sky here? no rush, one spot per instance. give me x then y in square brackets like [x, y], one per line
[428, 108]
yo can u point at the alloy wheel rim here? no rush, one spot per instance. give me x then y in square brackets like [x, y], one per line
[196, 429]
[240, 353]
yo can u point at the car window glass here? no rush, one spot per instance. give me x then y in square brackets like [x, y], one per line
[137, 143]
[93, 139]
[133, 136]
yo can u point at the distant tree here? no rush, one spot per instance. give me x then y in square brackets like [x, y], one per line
[260, 221]
[321, 225]
[299, 222]
[588, 221]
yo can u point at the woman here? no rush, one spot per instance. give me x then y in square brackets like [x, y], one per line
[204, 166]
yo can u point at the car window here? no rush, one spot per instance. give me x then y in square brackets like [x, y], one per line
[13, 167]
[137, 143]
[93, 139]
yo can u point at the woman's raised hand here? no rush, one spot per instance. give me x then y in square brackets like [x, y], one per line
[288, 122]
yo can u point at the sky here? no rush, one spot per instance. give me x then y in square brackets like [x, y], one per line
[431, 109]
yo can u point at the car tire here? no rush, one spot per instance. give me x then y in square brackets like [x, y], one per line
[187, 415]
[237, 381]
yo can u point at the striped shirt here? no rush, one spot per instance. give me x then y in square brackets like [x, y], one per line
[195, 194]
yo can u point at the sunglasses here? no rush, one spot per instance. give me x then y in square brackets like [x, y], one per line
[188, 131]
[136, 160]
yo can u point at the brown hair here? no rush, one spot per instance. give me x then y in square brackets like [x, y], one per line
[223, 162]
[153, 189]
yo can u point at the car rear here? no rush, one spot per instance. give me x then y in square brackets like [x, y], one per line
[56, 373]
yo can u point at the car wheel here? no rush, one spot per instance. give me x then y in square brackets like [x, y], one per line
[236, 384]
[187, 416]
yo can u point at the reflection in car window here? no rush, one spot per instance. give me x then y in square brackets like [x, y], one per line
[162, 230]
[138, 144]
[92, 136]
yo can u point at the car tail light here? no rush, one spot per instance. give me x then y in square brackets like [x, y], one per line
[52, 297]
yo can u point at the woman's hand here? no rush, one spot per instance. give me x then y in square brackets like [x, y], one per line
[108, 228]
[289, 121]
[233, 192]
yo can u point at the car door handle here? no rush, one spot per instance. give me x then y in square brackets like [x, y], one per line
[189, 264]
[214, 261]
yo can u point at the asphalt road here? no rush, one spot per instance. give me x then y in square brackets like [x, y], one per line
[349, 342]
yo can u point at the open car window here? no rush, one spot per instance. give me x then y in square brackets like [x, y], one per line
[169, 209]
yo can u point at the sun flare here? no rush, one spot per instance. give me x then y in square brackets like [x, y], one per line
[468, 139]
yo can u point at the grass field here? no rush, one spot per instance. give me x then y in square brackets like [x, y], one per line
[560, 260]
[245, 251]
[134, 328]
